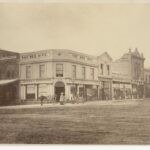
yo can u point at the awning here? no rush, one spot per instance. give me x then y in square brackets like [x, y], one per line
[4, 82]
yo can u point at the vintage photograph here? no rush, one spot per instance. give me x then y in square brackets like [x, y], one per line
[75, 73]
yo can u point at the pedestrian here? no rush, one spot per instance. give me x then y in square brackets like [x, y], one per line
[71, 98]
[42, 99]
[61, 99]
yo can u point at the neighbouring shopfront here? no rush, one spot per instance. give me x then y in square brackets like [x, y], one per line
[86, 92]
[147, 90]
[122, 90]
[9, 92]
[91, 92]
[137, 91]
[105, 90]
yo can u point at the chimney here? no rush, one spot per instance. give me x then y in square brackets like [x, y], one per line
[129, 50]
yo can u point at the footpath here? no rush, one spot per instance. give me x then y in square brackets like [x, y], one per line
[96, 102]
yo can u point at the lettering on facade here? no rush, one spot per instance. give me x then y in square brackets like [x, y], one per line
[34, 80]
[35, 55]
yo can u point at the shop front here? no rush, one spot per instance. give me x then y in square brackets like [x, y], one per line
[91, 92]
[137, 91]
[105, 90]
[147, 90]
[122, 90]
[32, 90]
[84, 91]
[59, 89]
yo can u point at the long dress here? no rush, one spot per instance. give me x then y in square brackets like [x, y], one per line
[61, 99]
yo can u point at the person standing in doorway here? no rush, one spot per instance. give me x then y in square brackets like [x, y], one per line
[61, 99]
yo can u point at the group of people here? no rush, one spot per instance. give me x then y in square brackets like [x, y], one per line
[62, 99]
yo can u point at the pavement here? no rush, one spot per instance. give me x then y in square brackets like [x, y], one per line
[96, 102]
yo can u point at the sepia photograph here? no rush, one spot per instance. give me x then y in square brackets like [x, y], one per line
[74, 73]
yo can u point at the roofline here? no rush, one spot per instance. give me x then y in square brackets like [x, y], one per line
[106, 54]
[67, 50]
[9, 51]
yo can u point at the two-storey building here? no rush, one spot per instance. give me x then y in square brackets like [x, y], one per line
[51, 72]
[105, 76]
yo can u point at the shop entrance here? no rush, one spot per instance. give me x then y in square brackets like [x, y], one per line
[105, 90]
[59, 88]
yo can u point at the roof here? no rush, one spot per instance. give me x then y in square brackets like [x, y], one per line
[8, 51]
[4, 82]
[106, 54]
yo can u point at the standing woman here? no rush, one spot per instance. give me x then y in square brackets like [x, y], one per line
[62, 99]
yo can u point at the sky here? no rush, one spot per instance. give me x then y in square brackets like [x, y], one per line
[91, 28]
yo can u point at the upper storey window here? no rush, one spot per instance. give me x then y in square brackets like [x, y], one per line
[83, 73]
[59, 70]
[101, 69]
[92, 73]
[82, 57]
[108, 70]
[28, 72]
[42, 70]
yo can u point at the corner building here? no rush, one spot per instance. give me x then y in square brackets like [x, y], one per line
[50, 72]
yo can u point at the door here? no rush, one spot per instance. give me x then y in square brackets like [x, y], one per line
[59, 88]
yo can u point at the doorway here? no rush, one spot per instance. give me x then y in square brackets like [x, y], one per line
[59, 88]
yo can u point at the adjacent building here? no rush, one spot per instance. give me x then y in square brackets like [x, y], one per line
[9, 77]
[105, 76]
[128, 76]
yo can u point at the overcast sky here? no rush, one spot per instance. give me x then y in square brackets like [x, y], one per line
[88, 28]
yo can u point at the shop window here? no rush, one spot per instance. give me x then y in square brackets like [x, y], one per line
[73, 90]
[30, 92]
[59, 70]
[81, 91]
[42, 70]
[43, 90]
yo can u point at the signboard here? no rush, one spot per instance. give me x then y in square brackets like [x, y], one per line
[28, 81]
[33, 56]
